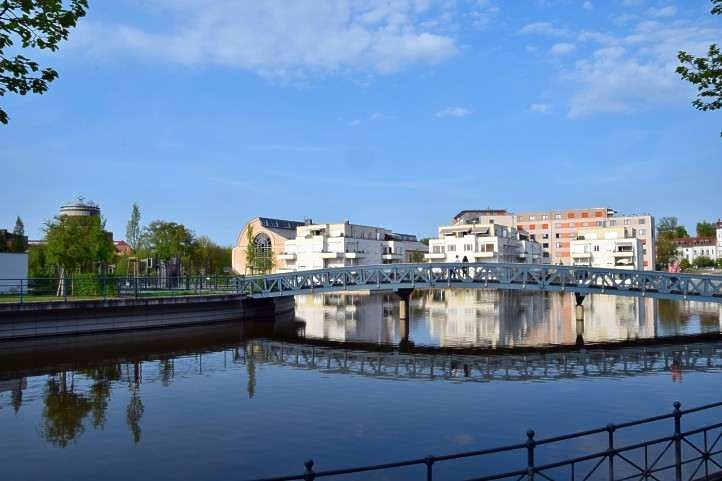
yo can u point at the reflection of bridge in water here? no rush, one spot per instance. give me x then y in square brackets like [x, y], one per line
[702, 357]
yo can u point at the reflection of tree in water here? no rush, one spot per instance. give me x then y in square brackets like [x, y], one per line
[165, 371]
[670, 318]
[135, 409]
[17, 398]
[251, 370]
[100, 391]
[64, 411]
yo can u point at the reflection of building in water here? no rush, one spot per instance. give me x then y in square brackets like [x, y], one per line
[348, 317]
[498, 318]
[609, 318]
[483, 317]
[477, 317]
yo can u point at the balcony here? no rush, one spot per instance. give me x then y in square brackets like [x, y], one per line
[353, 255]
[287, 256]
[624, 254]
[435, 256]
[484, 255]
[392, 257]
[330, 255]
[581, 255]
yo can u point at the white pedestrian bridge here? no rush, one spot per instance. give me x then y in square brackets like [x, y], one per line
[529, 277]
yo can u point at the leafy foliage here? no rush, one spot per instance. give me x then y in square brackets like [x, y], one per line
[706, 229]
[20, 242]
[132, 230]
[27, 24]
[668, 229]
[167, 240]
[78, 243]
[703, 261]
[705, 73]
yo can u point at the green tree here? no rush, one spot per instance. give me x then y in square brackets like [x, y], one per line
[703, 261]
[78, 244]
[669, 227]
[132, 230]
[32, 24]
[259, 259]
[20, 242]
[705, 73]
[167, 240]
[210, 258]
[250, 250]
[684, 264]
[416, 257]
[706, 229]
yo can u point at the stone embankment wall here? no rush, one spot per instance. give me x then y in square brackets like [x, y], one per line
[31, 320]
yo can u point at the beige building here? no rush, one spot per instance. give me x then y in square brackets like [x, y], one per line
[269, 236]
[555, 229]
[607, 247]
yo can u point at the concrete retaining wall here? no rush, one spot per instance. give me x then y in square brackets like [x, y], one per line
[84, 317]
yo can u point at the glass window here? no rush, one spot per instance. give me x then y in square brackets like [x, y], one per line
[642, 221]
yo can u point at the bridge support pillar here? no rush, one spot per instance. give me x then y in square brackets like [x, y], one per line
[579, 297]
[404, 306]
[580, 325]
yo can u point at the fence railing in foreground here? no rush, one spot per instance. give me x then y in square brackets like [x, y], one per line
[690, 455]
[90, 286]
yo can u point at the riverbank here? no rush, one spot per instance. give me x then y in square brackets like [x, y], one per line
[41, 319]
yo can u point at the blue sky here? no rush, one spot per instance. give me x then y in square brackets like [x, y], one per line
[393, 113]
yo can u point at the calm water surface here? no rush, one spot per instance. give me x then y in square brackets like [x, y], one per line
[193, 404]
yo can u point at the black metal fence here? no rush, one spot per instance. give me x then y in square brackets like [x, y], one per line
[91, 286]
[690, 455]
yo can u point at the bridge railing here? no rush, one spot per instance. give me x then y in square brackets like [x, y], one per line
[513, 276]
[690, 455]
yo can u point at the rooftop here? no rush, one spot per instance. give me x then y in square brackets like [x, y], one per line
[694, 241]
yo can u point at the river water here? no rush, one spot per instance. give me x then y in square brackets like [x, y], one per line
[220, 402]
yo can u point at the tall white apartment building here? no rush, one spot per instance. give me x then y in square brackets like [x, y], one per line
[321, 246]
[483, 243]
[608, 247]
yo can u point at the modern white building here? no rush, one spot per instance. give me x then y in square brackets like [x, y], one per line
[483, 243]
[609, 247]
[321, 246]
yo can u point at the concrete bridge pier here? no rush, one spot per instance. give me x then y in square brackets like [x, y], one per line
[404, 306]
[579, 311]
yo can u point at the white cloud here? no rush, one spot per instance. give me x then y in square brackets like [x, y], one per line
[540, 108]
[562, 48]
[355, 123]
[543, 28]
[668, 11]
[588, 6]
[628, 72]
[453, 112]
[282, 39]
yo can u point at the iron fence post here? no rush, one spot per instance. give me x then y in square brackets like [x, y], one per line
[65, 288]
[309, 475]
[429, 461]
[677, 441]
[21, 291]
[530, 445]
[135, 286]
[610, 450]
